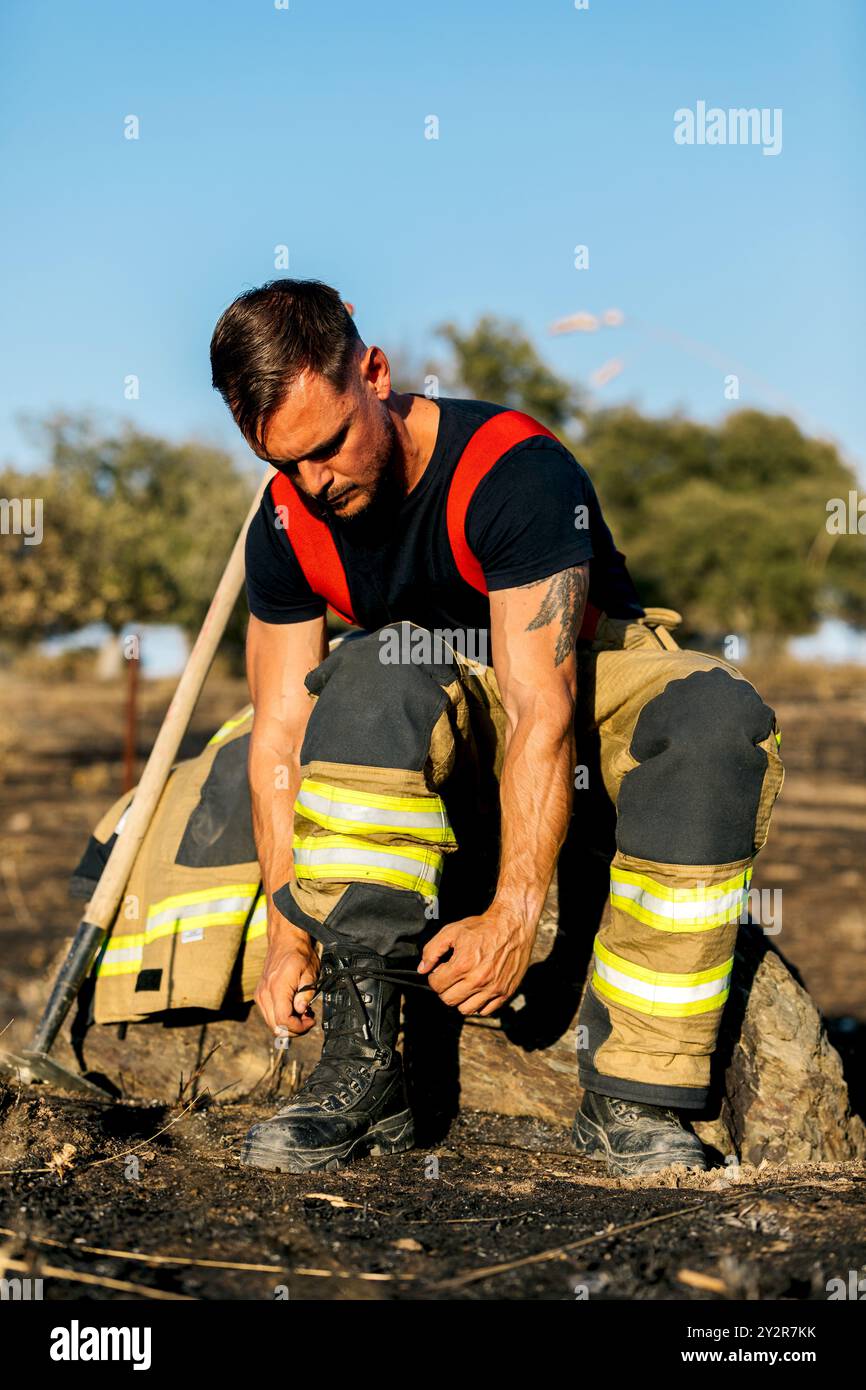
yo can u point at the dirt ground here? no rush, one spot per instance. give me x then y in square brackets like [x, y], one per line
[148, 1201]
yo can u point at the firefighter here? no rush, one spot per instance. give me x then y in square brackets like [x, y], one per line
[412, 789]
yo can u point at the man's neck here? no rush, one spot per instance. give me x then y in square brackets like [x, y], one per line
[416, 421]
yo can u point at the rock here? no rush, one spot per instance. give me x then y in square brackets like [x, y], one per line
[785, 1093]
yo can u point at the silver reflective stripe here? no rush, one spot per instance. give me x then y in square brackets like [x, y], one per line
[691, 910]
[205, 909]
[379, 859]
[661, 994]
[372, 815]
[119, 953]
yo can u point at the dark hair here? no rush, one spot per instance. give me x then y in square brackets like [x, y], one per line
[267, 337]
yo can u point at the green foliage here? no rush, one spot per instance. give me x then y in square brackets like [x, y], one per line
[727, 522]
[495, 361]
[135, 529]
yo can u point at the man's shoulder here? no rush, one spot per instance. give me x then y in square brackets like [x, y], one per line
[470, 411]
[460, 418]
[469, 414]
[463, 417]
[470, 408]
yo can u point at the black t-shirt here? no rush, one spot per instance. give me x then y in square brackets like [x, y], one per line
[534, 513]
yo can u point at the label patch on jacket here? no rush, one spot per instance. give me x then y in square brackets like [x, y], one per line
[148, 979]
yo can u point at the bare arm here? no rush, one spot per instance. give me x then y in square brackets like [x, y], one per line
[533, 632]
[279, 656]
[533, 629]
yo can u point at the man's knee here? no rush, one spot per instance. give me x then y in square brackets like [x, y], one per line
[372, 709]
[694, 796]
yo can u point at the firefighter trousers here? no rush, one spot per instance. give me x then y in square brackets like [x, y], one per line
[397, 825]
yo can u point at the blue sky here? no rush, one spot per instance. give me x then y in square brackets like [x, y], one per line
[305, 127]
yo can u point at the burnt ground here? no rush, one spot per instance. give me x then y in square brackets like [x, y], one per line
[131, 1200]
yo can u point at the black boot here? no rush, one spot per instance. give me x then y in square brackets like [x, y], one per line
[632, 1137]
[354, 1102]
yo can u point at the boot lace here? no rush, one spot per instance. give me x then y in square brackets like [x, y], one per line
[633, 1110]
[339, 1067]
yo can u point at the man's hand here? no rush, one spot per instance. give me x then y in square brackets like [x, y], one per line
[490, 957]
[291, 962]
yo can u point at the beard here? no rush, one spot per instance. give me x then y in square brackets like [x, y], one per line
[372, 522]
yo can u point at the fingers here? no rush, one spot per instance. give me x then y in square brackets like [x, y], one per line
[294, 1025]
[295, 1011]
[280, 1019]
[493, 1005]
[438, 946]
[470, 995]
[264, 1003]
[300, 1001]
[474, 1004]
[285, 1007]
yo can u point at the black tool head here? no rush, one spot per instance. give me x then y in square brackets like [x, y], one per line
[33, 1068]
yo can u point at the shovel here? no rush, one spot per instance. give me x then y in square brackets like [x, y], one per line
[35, 1064]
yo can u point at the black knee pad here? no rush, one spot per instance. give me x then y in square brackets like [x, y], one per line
[390, 921]
[374, 712]
[694, 797]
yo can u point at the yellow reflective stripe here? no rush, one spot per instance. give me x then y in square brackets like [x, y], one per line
[679, 909]
[258, 923]
[121, 956]
[344, 858]
[134, 941]
[652, 919]
[235, 918]
[778, 737]
[665, 978]
[316, 842]
[364, 873]
[229, 906]
[369, 813]
[361, 798]
[122, 967]
[659, 992]
[203, 895]
[444, 836]
[661, 1010]
[230, 724]
[677, 894]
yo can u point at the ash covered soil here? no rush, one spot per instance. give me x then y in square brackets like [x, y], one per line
[502, 1207]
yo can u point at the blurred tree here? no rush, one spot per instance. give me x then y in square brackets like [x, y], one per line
[135, 529]
[495, 361]
[728, 522]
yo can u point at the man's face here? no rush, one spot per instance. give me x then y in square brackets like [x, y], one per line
[338, 447]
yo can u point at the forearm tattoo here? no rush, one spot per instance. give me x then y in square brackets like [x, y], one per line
[563, 601]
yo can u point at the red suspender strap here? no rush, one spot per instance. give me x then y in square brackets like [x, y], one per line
[314, 548]
[485, 448]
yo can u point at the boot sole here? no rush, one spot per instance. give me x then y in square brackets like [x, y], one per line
[591, 1142]
[393, 1135]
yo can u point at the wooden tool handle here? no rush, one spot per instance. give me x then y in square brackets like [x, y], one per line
[102, 906]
